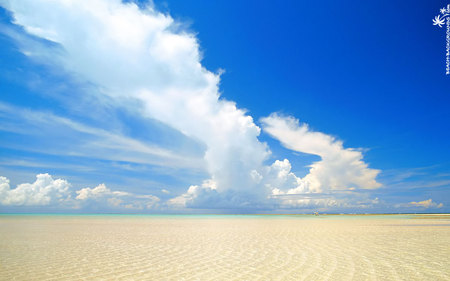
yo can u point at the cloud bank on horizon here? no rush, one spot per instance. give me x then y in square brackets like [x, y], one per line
[46, 191]
[143, 60]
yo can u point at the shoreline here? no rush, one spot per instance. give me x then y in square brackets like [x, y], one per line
[208, 214]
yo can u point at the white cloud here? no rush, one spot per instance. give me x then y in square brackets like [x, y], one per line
[84, 140]
[339, 168]
[279, 178]
[135, 54]
[118, 199]
[426, 204]
[193, 193]
[92, 193]
[44, 191]
[138, 55]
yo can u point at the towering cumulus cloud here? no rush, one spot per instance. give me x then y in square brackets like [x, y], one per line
[140, 54]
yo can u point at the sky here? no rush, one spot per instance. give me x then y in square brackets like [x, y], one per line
[223, 107]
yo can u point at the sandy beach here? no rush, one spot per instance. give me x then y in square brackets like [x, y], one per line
[134, 247]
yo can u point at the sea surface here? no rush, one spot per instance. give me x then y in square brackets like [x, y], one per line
[224, 247]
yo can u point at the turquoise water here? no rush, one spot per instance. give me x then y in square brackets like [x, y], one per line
[223, 216]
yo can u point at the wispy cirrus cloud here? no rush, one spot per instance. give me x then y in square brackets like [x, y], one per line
[420, 205]
[426, 204]
[78, 139]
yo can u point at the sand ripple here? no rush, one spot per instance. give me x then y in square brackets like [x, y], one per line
[223, 248]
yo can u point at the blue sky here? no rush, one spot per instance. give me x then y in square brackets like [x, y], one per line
[115, 107]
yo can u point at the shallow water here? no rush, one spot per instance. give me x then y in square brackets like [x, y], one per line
[123, 247]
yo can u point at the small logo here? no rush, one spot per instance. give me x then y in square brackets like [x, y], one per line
[440, 20]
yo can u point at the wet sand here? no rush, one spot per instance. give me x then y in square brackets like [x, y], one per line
[116, 247]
